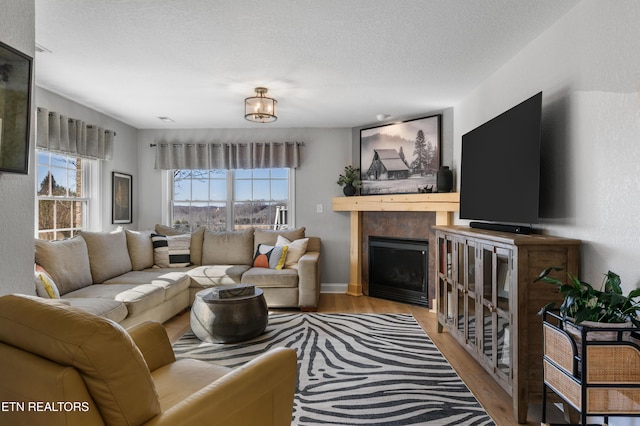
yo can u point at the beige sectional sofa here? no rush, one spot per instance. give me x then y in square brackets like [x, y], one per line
[116, 275]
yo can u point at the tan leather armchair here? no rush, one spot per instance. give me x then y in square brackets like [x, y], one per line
[63, 366]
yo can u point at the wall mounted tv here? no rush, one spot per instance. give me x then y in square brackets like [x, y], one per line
[500, 170]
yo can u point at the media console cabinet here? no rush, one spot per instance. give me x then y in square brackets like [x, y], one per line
[487, 300]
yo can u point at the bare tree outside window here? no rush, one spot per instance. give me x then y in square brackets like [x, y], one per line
[61, 203]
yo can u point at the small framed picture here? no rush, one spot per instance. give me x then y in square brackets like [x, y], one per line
[122, 198]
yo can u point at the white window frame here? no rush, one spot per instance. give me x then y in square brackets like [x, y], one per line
[167, 199]
[91, 170]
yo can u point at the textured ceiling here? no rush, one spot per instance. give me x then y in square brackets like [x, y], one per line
[329, 63]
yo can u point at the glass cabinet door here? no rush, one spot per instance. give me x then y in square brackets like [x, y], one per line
[503, 302]
[445, 280]
[470, 284]
[496, 309]
[460, 267]
[487, 304]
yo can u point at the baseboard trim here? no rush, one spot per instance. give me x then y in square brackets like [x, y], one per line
[333, 288]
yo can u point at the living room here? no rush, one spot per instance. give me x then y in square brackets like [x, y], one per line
[585, 63]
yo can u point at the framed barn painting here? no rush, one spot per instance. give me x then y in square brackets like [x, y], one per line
[400, 158]
[122, 198]
[15, 110]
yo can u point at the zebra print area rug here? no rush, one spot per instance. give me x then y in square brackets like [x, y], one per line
[357, 369]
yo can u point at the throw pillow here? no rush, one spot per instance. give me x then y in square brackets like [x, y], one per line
[197, 238]
[171, 251]
[45, 286]
[269, 257]
[269, 236]
[295, 249]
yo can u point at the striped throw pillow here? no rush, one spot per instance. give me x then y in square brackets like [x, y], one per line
[171, 251]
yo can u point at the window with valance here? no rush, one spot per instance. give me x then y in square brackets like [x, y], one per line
[229, 185]
[67, 152]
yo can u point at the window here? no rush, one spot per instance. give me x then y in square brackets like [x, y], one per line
[62, 195]
[230, 199]
[199, 199]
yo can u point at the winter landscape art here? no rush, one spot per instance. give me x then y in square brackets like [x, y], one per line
[400, 158]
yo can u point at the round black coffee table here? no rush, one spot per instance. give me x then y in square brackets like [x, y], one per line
[230, 320]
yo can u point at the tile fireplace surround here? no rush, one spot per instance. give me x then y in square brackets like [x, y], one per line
[409, 225]
[398, 216]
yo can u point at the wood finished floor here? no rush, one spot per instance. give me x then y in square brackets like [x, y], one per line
[492, 397]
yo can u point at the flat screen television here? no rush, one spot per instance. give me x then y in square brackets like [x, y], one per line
[500, 170]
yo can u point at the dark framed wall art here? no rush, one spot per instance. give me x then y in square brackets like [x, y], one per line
[400, 158]
[15, 109]
[122, 198]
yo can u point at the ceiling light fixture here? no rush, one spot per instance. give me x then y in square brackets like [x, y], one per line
[260, 108]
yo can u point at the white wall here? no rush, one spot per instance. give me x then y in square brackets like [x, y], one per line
[323, 157]
[17, 29]
[125, 151]
[588, 67]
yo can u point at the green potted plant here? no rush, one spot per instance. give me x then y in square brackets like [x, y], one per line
[582, 302]
[350, 179]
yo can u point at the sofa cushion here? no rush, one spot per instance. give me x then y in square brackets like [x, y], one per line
[314, 245]
[213, 275]
[270, 257]
[66, 261]
[197, 238]
[45, 286]
[228, 247]
[171, 251]
[262, 277]
[112, 367]
[108, 254]
[295, 249]
[46, 300]
[140, 249]
[171, 281]
[137, 298]
[106, 308]
[269, 236]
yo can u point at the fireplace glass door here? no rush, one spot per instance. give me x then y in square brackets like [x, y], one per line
[398, 269]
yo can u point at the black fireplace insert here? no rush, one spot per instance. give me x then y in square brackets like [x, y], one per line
[399, 269]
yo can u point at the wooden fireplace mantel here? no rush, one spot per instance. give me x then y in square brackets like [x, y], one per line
[443, 204]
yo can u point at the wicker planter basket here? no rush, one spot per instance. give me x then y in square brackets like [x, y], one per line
[595, 335]
[603, 382]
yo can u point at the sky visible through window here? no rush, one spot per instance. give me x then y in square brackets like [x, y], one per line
[256, 184]
[233, 199]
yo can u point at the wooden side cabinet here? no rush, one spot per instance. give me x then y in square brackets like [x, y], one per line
[486, 298]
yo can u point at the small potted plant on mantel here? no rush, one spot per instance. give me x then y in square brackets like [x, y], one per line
[585, 305]
[350, 179]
